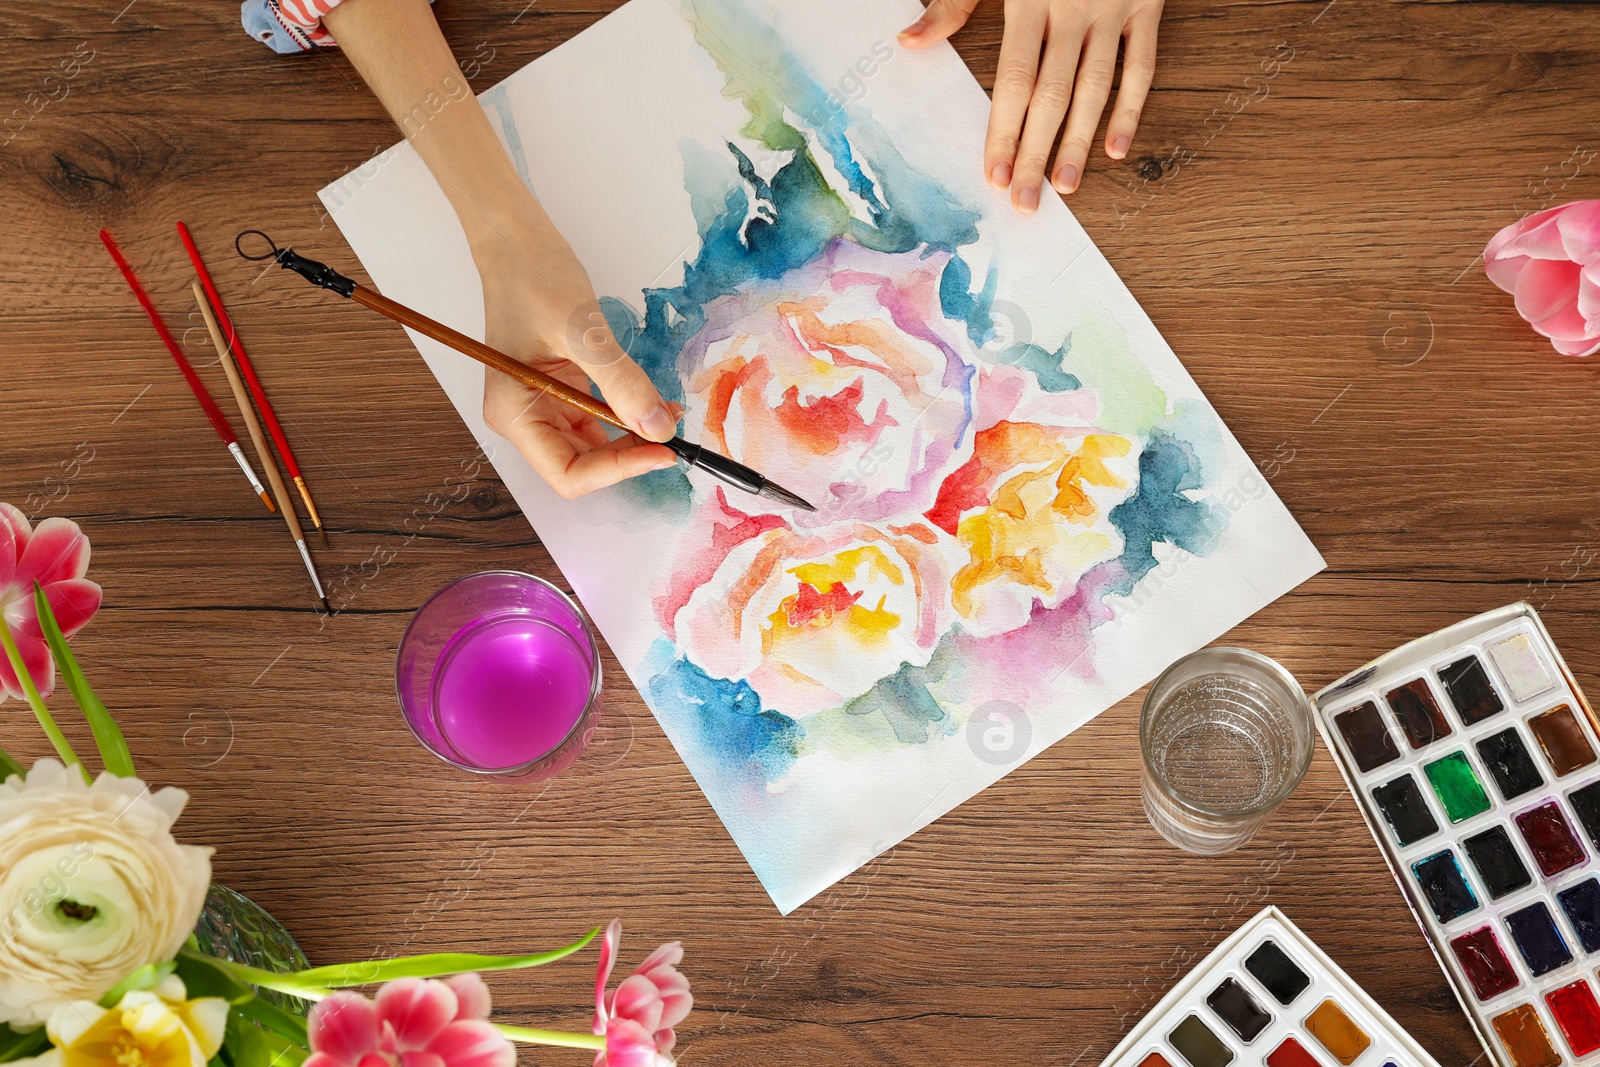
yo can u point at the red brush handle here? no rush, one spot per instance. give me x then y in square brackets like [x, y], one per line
[262, 403]
[214, 413]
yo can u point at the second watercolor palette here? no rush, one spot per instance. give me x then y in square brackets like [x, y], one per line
[1475, 758]
[1268, 995]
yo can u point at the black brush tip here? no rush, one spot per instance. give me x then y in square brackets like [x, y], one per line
[774, 491]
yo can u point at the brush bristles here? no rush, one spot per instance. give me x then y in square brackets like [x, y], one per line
[777, 492]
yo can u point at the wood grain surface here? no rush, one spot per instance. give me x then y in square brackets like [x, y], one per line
[1307, 242]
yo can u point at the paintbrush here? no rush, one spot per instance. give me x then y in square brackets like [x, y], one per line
[735, 474]
[257, 438]
[274, 427]
[219, 421]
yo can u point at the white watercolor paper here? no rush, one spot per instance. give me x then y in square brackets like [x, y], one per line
[1028, 509]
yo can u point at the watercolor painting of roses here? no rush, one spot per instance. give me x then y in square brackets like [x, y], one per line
[1026, 507]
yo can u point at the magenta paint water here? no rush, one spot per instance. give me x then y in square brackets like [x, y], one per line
[498, 674]
[509, 688]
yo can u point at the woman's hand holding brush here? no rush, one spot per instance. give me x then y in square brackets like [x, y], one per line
[538, 303]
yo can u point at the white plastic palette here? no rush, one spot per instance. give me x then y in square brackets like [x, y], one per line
[1268, 995]
[1465, 750]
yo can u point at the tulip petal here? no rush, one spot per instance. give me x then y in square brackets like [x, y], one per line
[669, 955]
[1505, 270]
[52, 1058]
[36, 658]
[417, 1009]
[637, 999]
[21, 529]
[1579, 224]
[1589, 295]
[207, 1018]
[1537, 237]
[57, 551]
[1546, 290]
[1565, 323]
[74, 602]
[630, 1045]
[421, 1059]
[473, 1043]
[9, 550]
[1587, 346]
[472, 996]
[608, 956]
[72, 1020]
[1512, 231]
[675, 1006]
[345, 1026]
[323, 1059]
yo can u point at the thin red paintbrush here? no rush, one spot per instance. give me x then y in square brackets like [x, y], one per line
[264, 405]
[218, 421]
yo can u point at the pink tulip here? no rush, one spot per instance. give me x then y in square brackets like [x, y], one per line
[412, 1023]
[1550, 261]
[56, 555]
[638, 1016]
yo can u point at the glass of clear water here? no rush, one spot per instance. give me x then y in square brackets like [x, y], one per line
[1226, 734]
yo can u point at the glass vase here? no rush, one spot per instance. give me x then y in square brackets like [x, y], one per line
[234, 927]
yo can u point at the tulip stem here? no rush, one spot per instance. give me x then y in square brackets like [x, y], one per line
[51, 730]
[559, 1038]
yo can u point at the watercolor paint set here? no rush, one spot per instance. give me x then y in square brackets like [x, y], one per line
[1475, 759]
[1268, 995]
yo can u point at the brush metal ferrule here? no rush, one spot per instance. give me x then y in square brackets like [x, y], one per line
[244, 465]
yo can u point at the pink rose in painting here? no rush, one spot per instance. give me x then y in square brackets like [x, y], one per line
[811, 618]
[56, 555]
[1030, 508]
[1550, 261]
[842, 374]
[412, 1023]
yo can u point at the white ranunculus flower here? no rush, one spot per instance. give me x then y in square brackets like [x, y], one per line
[92, 886]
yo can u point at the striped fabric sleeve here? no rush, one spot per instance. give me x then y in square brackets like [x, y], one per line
[288, 26]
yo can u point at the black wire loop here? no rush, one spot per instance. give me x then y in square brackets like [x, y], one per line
[239, 247]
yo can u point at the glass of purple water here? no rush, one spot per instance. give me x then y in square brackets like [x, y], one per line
[499, 674]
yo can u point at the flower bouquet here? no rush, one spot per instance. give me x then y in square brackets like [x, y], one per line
[99, 965]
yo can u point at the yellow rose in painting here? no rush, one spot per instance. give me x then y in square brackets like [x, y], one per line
[811, 619]
[1031, 511]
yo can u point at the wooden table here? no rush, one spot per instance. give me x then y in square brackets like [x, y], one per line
[1307, 241]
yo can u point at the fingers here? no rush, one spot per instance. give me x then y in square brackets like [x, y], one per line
[625, 385]
[1138, 71]
[1013, 87]
[1047, 107]
[1089, 96]
[565, 454]
[942, 18]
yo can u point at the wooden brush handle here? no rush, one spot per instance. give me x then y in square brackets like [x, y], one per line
[484, 354]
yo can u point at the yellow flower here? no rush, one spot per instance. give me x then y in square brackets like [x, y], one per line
[148, 1028]
[1029, 508]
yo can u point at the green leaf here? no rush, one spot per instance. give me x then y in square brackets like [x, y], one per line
[248, 1045]
[286, 1026]
[114, 752]
[58, 739]
[204, 976]
[432, 965]
[16, 1045]
[245, 1042]
[147, 977]
[9, 766]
